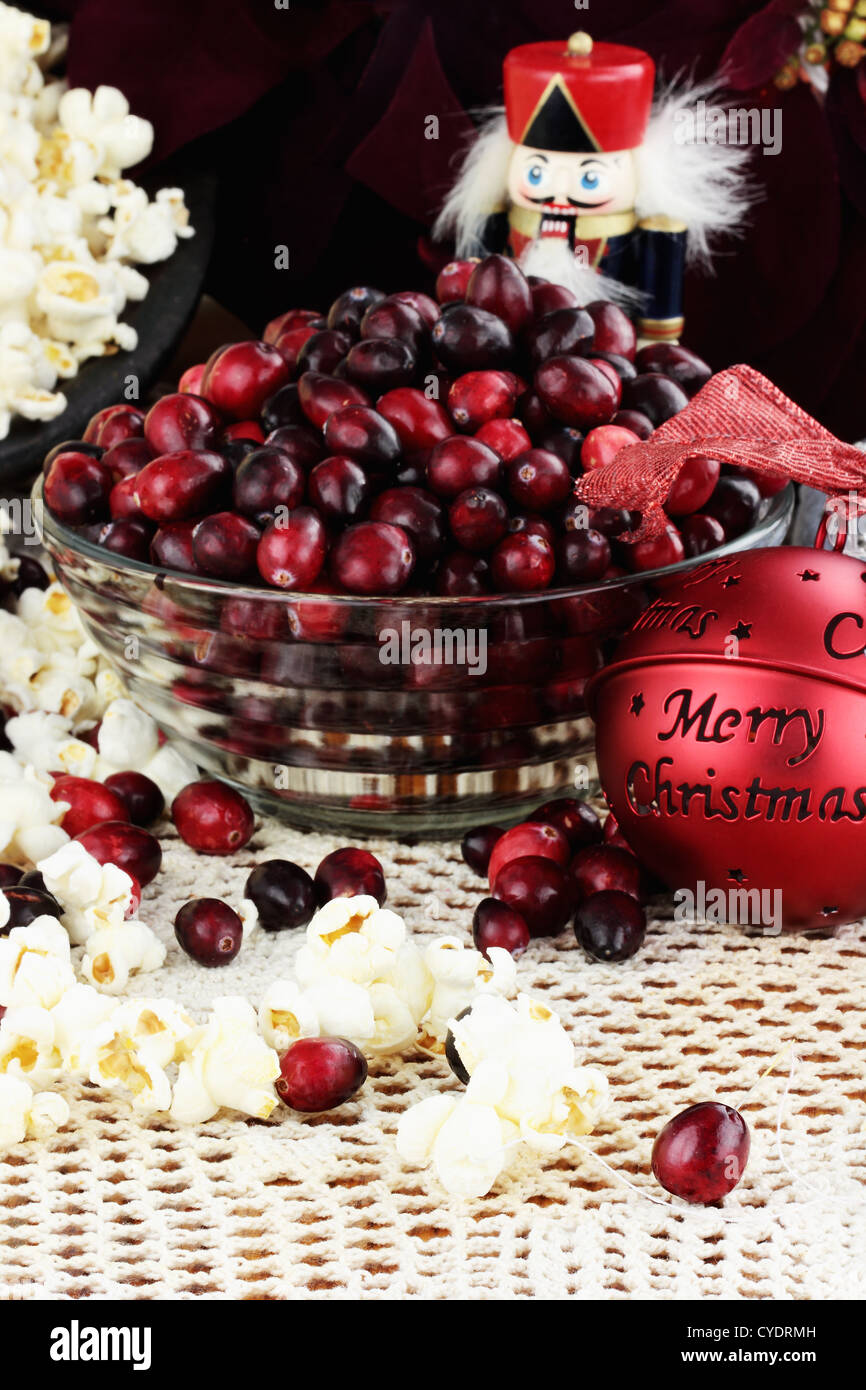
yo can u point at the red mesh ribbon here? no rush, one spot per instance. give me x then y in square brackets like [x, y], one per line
[738, 417]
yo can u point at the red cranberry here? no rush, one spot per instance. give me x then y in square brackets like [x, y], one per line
[735, 503]
[467, 339]
[381, 364]
[364, 435]
[283, 893]
[701, 534]
[192, 379]
[113, 424]
[128, 846]
[453, 279]
[141, 796]
[531, 839]
[349, 308]
[320, 395]
[576, 392]
[602, 445]
[303, 446]
[338, 489]
[522, 563]
[498, 285]
[462, 575]
[624, 369]
[292, 552]
[693, 486]
[290, 342]
[350, 873]
[613, 329]
[657, 552]
[611, 373]
[507, 438]
[127, 457]
[209, 931]
[479, 397]
[582, 556]
[577, 820]
[538, 889]
[373, 557]
[26, 903]
[419, 514]
[424, 306]
[224, 545]
[128, 538]
[238, 379]
[701, 1154]
[292, 318]
[320, 1073]
[533, 526]
[420, 423]
[494, 923]
[655, 396]
[182, 421]
[244, 431]
[478, 518]
[267, 479]
[323, 351]
[78, 446]
[122, 500]
[180, 485]
[477, 847]
[77, 488]
[459, 463]
[394, 318]
[635, 421]
[171, 547]
[212, 818]
[90, 803]
[603, 868]
[10, 874]
[678, 362]
[610, 926]
[539, 480]
[563, 332]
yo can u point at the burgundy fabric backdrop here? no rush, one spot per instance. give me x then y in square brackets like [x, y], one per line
[314, 116]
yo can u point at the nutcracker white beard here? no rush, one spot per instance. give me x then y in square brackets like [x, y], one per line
[552, 258]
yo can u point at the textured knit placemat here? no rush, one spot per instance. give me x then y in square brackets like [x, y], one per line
[322, 1207]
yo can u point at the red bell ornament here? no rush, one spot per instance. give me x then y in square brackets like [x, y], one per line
[731, 724]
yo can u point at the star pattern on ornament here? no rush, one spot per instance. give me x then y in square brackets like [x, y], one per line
[737, 876]
[731, 580]
[807, 575]
[741, 631]
[637, 703]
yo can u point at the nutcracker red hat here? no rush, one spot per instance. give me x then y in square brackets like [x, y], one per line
[578, 96]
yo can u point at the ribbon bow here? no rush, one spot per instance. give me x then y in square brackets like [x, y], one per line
[739, 417]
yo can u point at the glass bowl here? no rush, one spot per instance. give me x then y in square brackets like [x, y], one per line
[394, 716]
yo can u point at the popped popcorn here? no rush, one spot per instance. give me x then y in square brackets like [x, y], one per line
[44, 742]
[459, 974]
[22, 1113]
[132, 1047]
[35, 966]
[74, 1018]
[28, 1045]
[127, 737]
[286, 1014]
[115, 952]
[226, 1064]
[93, 895]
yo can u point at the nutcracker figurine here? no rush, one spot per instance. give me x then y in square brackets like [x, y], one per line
[588, 181]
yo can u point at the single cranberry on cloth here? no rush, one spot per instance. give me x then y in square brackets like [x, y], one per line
[731, 724]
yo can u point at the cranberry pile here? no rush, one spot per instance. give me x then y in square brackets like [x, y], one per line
[397, 444]
[559, 865]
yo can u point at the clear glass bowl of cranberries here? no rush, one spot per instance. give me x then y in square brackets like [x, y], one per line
[345, 566]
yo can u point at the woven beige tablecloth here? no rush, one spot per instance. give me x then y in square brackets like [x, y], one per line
[322, 1207]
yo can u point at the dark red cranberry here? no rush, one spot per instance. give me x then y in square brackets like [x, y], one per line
[612, 375]
[239, 378]
[533, 526]
[498, 285]
[127, 458]
[284, 895]
[30, 575]
[635, 421]
[10, 874]
[394, 318]
[283, 410]
[267, 479]
[420, 422]
[424, 306]
[242, 432]
[656, 552]
[453, 279]
[348, 309]
[563, 332]
[735, 503]
[292, 551]
[576, 819]
[530, 839]
[292, 318]
[338, 489]
[114, 424]
[613, 330]
[419, 514]
[363, 435]
[320, 1073]
[459, 463]
[468, 339]
[478, 519]
[462, 575]
[224, 545]
[176, 486]
[582, 556]
[90, 803]
[320, 395]
[539, 890]
[127, 846]
[539, 480]
[494, 923]
[26, 904]
[350, 873]
[381, 364]
[76, 489]
[171, 547]
[128, 538]
[602, 445]
[212, 817]
[301, 444]
[79, 446]
[507, 438]
[522, 563]
[181, 421]
[33, 879]
[680, 363]
[624, 369]
[209, 931]
[693, 486]
[546, 296]
[323, 351]
[701, 534]
[373, 557]
[605, 868]
[610, 926]
[142, 797]
[701, 1154]
[564, 441]
[291, 341]
[576, 392]
[656, 397]
[123, 501]
[477, 847]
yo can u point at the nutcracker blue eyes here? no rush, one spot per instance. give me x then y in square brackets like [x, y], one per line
[535, 175]
[590, 181]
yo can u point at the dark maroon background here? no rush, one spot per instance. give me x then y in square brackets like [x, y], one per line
[314, 117]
